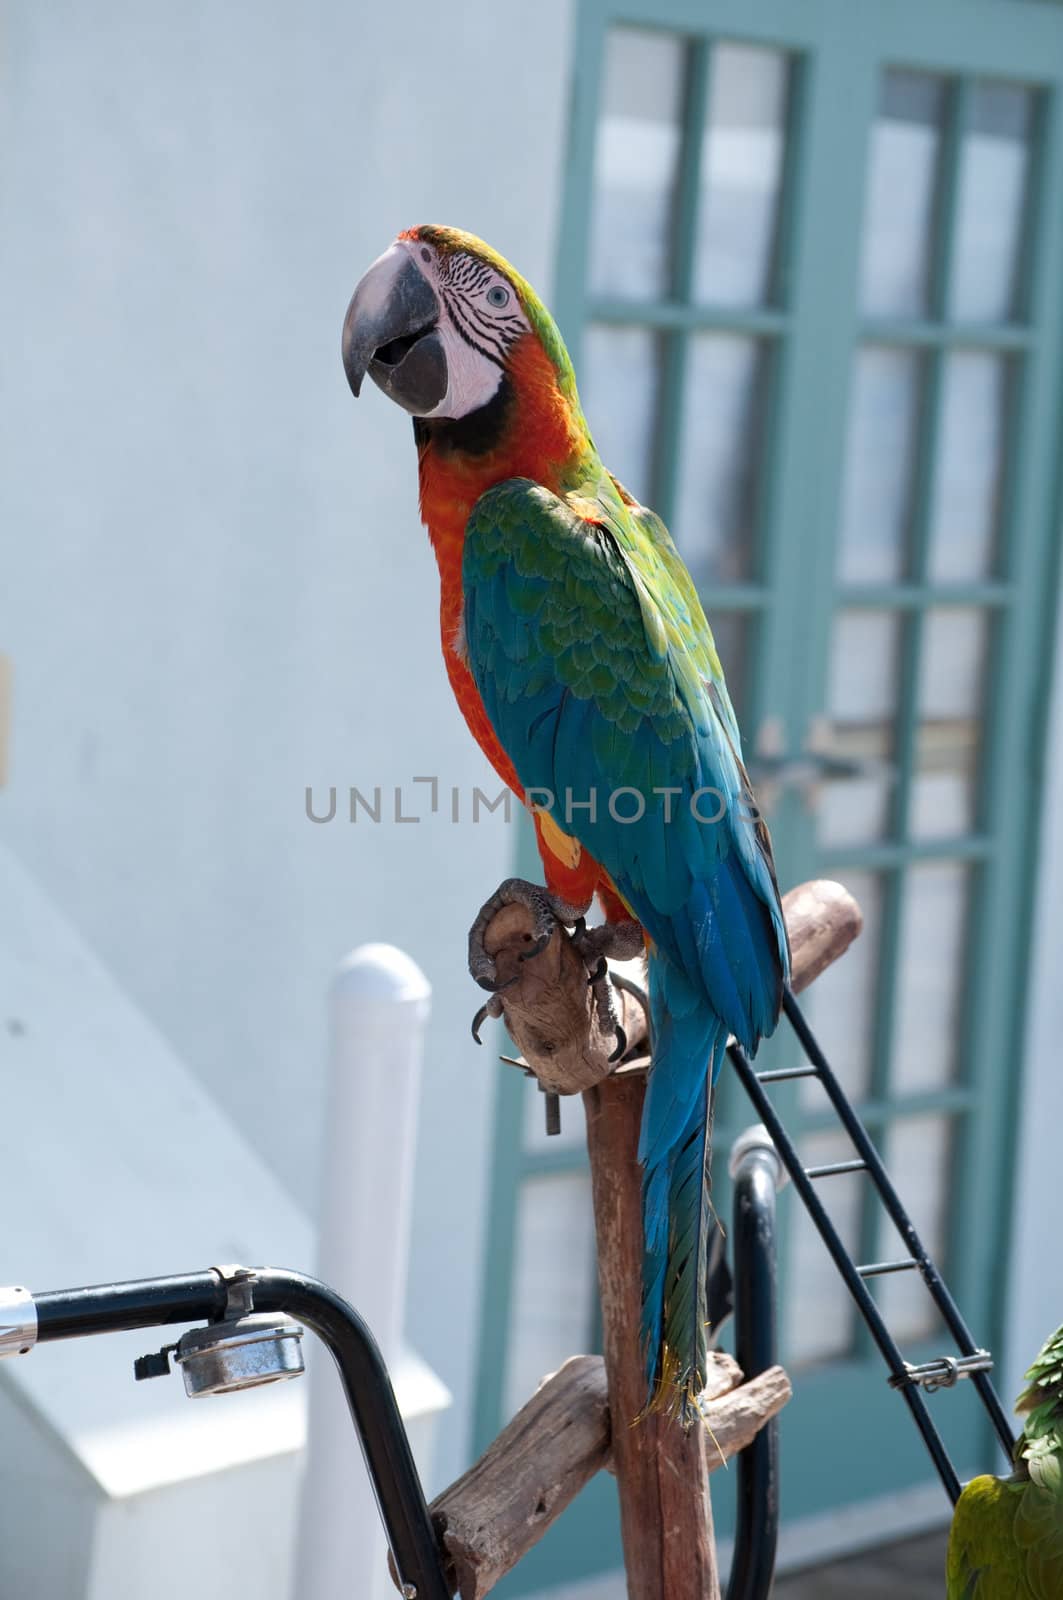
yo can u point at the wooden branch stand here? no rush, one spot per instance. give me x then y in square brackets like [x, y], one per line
[583, 1417]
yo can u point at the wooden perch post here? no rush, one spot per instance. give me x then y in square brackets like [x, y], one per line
[583, 1418]
[662, 1473]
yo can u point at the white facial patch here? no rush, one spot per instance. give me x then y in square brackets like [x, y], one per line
[472, 379]
[480, 319]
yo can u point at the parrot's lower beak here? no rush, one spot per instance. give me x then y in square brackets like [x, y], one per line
[390, 332]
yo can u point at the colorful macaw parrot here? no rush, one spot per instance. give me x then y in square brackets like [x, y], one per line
[580, 656]
[1006, 1541]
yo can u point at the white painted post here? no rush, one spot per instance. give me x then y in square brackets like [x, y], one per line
[379, 1007]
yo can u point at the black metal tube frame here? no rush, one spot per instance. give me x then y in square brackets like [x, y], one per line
[201, 1296]
[753, 1232]
[856, 1285]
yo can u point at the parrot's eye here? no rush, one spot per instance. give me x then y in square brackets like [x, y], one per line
[497, 296]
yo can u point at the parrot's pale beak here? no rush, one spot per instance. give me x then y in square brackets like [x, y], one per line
[390, 332]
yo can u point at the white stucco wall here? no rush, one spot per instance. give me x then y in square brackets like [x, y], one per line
[214, 586]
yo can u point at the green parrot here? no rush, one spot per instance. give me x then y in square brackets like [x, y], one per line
[1006, 1541]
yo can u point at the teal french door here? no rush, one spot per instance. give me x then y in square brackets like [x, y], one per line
[810, 274]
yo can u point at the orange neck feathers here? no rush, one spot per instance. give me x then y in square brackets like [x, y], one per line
[538, 438]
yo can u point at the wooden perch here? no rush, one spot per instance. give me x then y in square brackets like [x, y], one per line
[493, 1515]
[548, 1010]
[503, 1505]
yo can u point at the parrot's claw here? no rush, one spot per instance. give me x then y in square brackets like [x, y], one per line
[538, 947]
[491, 1008]
[622, 940]
[492, 985]
[601, 988]
[548, 914]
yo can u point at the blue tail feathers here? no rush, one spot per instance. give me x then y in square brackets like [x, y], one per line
[688, 1046]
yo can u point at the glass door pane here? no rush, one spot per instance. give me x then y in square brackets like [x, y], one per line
[636, 168]
[878, 491]
[994, 171]
[902, 187]
[721, 457]
[742, 175]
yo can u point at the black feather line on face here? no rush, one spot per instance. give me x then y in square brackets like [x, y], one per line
[458, 318]
[475, 435]
[500, 328]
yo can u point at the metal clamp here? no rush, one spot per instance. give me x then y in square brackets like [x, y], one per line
[943, 1372]
[18, 1322]
[240, 1290]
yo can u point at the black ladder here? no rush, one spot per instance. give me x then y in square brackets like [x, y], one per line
[909, 1380]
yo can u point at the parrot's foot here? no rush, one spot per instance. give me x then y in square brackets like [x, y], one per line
[622, 941]
[610, 941]
[547, 913]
